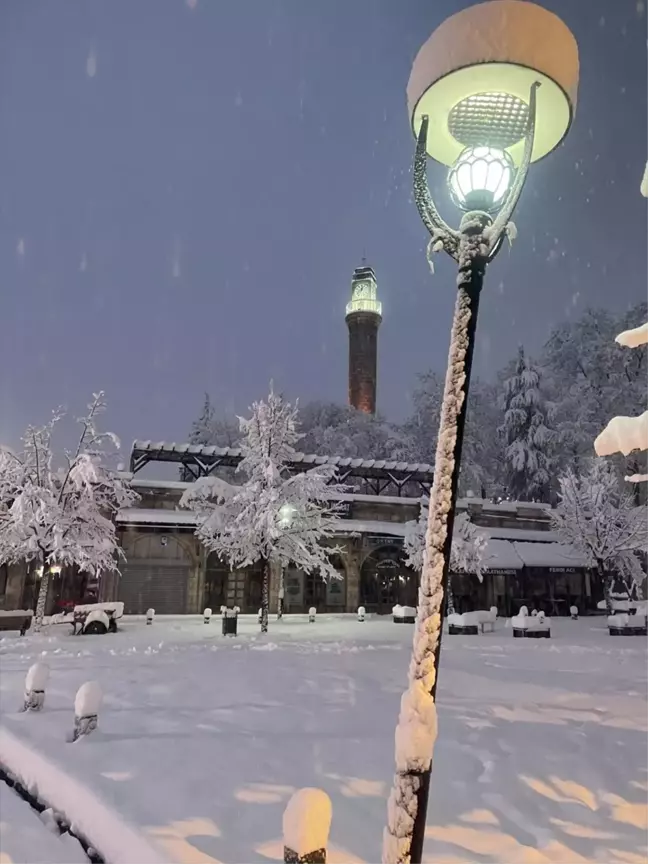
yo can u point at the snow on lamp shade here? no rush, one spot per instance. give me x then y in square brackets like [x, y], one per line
[481, 178]
[473, 76]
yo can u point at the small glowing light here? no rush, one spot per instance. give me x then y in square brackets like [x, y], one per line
[286, 515]
[56, 569]
[481, 178]
[39, 572]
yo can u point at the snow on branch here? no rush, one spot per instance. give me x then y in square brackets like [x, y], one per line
[623, 435]
[635, 337]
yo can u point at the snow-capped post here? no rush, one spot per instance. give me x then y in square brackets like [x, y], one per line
[53, 518]
[150, 616]
[273, 519]
[86, 709]
[483, 180]
[573, 611]
[35, 684]
[306, 826]
[361, 613]
[207, 614]
[312, 612]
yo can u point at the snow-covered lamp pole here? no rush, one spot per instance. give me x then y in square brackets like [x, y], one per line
[491, 91]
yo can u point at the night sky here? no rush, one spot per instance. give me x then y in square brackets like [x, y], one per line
[187, 186]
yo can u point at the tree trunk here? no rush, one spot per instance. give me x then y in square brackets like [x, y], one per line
[265, 596]
[280, 599]
[606, 582]
[42, 600]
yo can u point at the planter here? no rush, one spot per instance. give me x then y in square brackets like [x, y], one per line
[465, 630]
[531, 634]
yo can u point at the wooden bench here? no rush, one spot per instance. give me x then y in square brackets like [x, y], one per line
[96, 625]
[16, 619]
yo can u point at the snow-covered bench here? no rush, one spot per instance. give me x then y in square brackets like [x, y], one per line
[531, 626]
[472, 623]
[97, 618]
[404, 614]
[16, 619]
[623, 624]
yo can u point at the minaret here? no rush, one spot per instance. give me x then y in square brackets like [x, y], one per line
[363, 317]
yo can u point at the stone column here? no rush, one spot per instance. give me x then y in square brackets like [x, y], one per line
[352, 562]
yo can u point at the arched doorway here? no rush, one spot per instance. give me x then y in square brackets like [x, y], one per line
[386, 580]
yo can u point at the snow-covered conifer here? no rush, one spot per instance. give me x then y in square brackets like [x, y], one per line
[598, 519]
[525, 432]
[246, 524]
[62, 517]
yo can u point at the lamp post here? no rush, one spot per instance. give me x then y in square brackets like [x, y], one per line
[491, 91]
[286, 515]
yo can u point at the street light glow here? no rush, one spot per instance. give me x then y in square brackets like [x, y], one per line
[481, 178]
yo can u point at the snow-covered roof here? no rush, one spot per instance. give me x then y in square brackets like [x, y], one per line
[549, 555]
[501, 555]
[368, 526]
[306, 459]
[178, 485]
[142, 516]
[529, 534]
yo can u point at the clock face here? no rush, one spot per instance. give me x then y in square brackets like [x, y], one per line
[362, 291]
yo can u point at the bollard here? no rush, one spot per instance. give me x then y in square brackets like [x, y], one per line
[150, 615]
[259, 616]
[573, 611]
[361, 613]
[207, 615]
[86, 709]
[35, 684]
[306, 825]
[312, 612]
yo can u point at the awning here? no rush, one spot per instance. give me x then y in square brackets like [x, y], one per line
[549, 555]
[368, 526]
[500, 555]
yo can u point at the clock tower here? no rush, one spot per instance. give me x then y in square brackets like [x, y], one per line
[363, 318]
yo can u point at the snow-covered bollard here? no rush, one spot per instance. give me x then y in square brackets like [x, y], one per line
[361, 613]
[150, 615]
[534, 612]
[259, 616]
[207, 615]
[306, 825]
[312, 612]
[35, 684]
[573, 611]
[86, 709]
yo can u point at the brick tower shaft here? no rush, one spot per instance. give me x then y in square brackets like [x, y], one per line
[363, 318]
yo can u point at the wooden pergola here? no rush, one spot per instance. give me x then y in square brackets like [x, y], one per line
[374, 476]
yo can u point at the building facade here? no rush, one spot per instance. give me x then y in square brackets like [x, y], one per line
[168, 569]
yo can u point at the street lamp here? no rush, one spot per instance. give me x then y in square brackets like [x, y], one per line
[492, 90]
[286, 515]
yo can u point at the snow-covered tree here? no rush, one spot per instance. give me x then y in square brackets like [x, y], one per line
[626, 434]
[247, 524]
[599, 520]
[525, 432]
[467, 551]
[340, 430]
[62, 517]
[592, 378]
[482, 451]
[208, 430]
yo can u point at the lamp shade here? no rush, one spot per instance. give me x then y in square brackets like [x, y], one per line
[473, 77]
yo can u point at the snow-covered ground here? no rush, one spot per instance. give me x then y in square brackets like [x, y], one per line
[541, 754]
